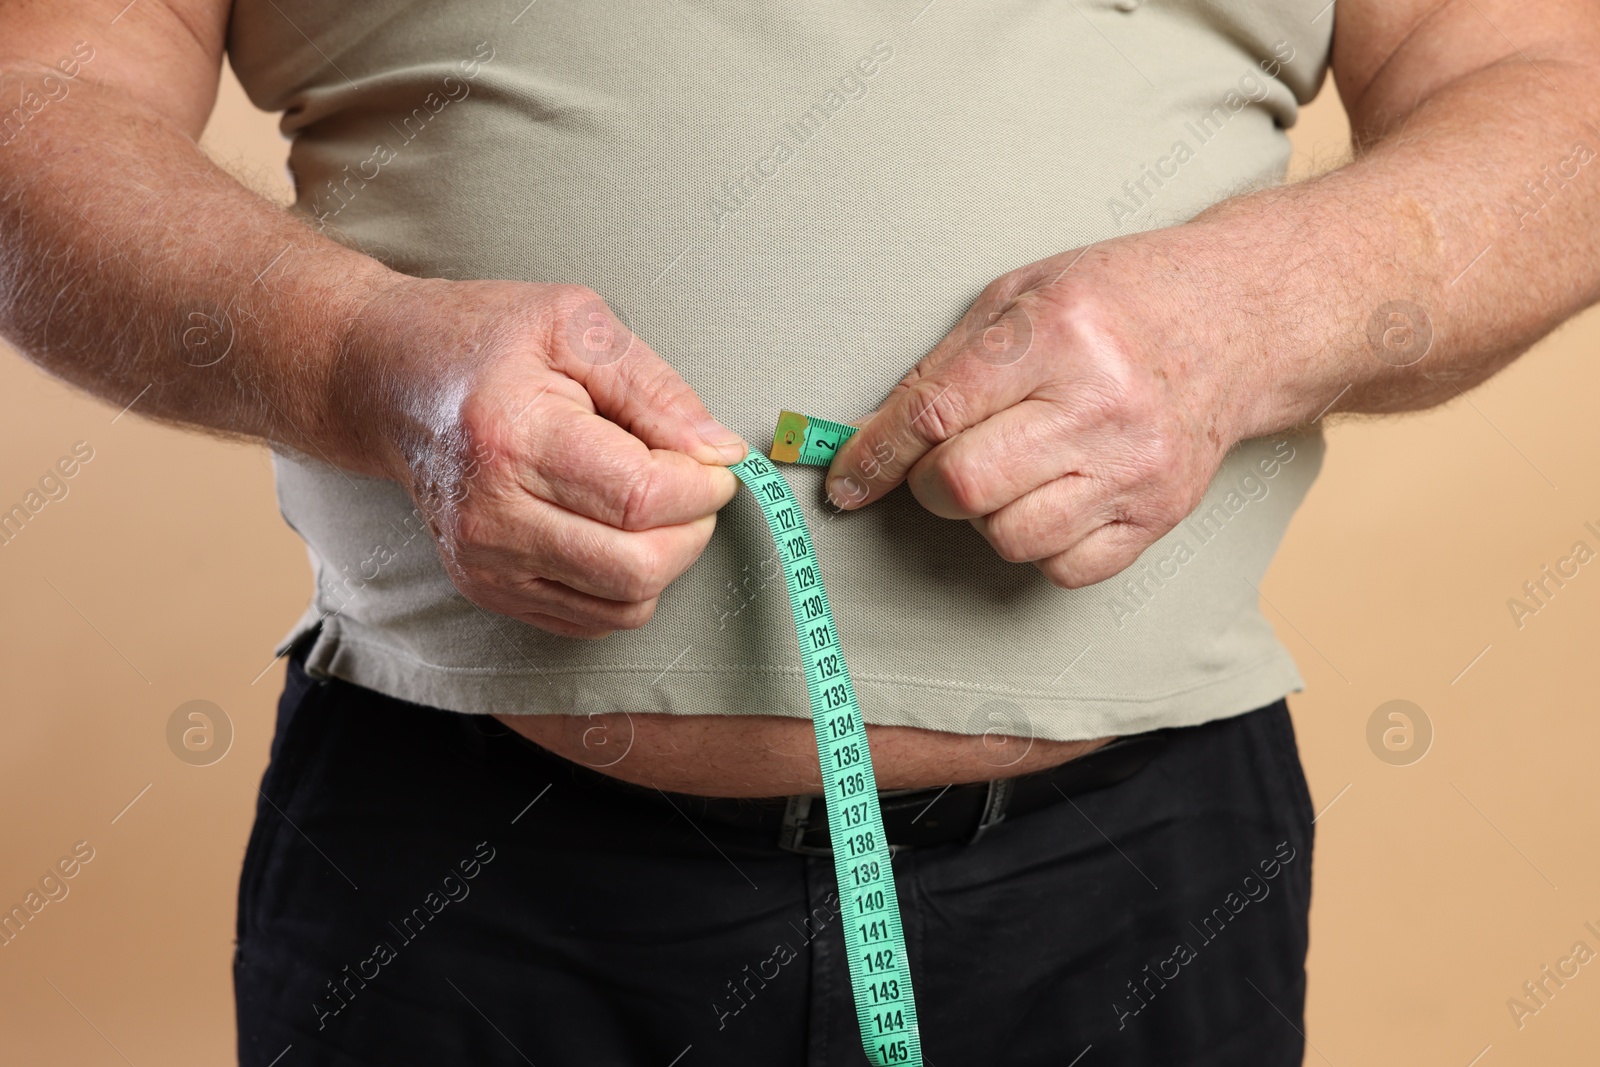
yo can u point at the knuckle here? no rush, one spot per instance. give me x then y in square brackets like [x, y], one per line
[963, 486]
[1013, 552]
[1077, 308]
[1009, 542]
[1063, 575]
[998, 291]
[482, 428]
[569, 297]
[936, 409]
[644, 578]
[659, 388]
[635, 615]
[1074, 570]
[585, 326]
[1005, 292]
[1105, 556]
[525, 591]
[1085, 325]
[639, 499]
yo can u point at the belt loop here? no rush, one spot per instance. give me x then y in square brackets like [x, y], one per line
[994, 807]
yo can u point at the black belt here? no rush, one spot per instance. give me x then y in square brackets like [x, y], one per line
[947, 815]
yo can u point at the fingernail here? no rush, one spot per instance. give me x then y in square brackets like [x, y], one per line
[844, 493]
[721, 438]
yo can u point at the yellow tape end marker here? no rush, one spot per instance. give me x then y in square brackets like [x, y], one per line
[788, 437]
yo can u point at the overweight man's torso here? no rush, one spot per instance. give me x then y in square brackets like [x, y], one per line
[792, 204]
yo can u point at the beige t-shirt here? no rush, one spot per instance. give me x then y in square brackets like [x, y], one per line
[792, 203]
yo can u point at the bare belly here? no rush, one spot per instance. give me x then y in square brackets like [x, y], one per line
[764, 756]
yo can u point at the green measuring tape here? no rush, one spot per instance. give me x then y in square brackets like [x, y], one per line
[813, 442]
[876, 946]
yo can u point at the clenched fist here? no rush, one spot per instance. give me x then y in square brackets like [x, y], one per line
[567, 472]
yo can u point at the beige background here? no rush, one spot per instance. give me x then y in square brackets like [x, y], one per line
[166, 575]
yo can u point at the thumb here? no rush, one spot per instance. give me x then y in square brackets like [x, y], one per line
[634, 387]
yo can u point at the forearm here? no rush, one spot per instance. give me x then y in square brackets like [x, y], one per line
[1284, 291]
[134, 267]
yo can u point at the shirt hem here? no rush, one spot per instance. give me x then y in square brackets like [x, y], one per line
[945, 705]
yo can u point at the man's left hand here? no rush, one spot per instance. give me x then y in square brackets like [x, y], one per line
[1069, 416]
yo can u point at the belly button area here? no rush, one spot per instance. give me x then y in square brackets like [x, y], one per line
[1128, 5]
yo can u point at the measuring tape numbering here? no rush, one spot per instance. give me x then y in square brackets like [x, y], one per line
[880, 977]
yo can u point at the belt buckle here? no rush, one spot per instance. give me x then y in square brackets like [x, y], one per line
[796, 824]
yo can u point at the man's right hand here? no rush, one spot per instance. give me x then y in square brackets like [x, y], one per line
[567, 472]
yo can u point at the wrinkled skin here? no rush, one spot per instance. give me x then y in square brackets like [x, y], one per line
[1070, 424]
[567, 471]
